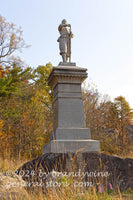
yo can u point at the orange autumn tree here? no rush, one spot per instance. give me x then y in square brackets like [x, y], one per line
[26, 113]
[108, 121]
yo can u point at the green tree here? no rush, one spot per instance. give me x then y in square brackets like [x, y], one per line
[15, 90]
[26, 111]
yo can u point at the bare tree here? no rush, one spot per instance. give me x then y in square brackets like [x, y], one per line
[11, 40]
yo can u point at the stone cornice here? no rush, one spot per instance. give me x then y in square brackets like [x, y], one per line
[67, 74]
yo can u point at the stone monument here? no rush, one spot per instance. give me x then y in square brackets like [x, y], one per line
[69, 132]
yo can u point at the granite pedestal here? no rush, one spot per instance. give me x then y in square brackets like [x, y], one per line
[69, 132]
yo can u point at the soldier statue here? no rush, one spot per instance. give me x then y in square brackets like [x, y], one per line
[65, 40]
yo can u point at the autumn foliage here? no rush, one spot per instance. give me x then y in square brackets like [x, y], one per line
[109, 121]
[26, 106]
[26, 111]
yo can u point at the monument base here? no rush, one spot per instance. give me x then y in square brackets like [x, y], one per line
[66, 64]
[71, 134]
[71, 146]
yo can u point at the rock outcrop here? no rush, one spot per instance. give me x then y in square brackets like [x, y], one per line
[95, 168]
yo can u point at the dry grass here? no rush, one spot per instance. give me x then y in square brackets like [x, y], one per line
[10, 164]
[73, 194]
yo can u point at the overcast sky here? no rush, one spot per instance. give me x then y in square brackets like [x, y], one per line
[102, 43]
